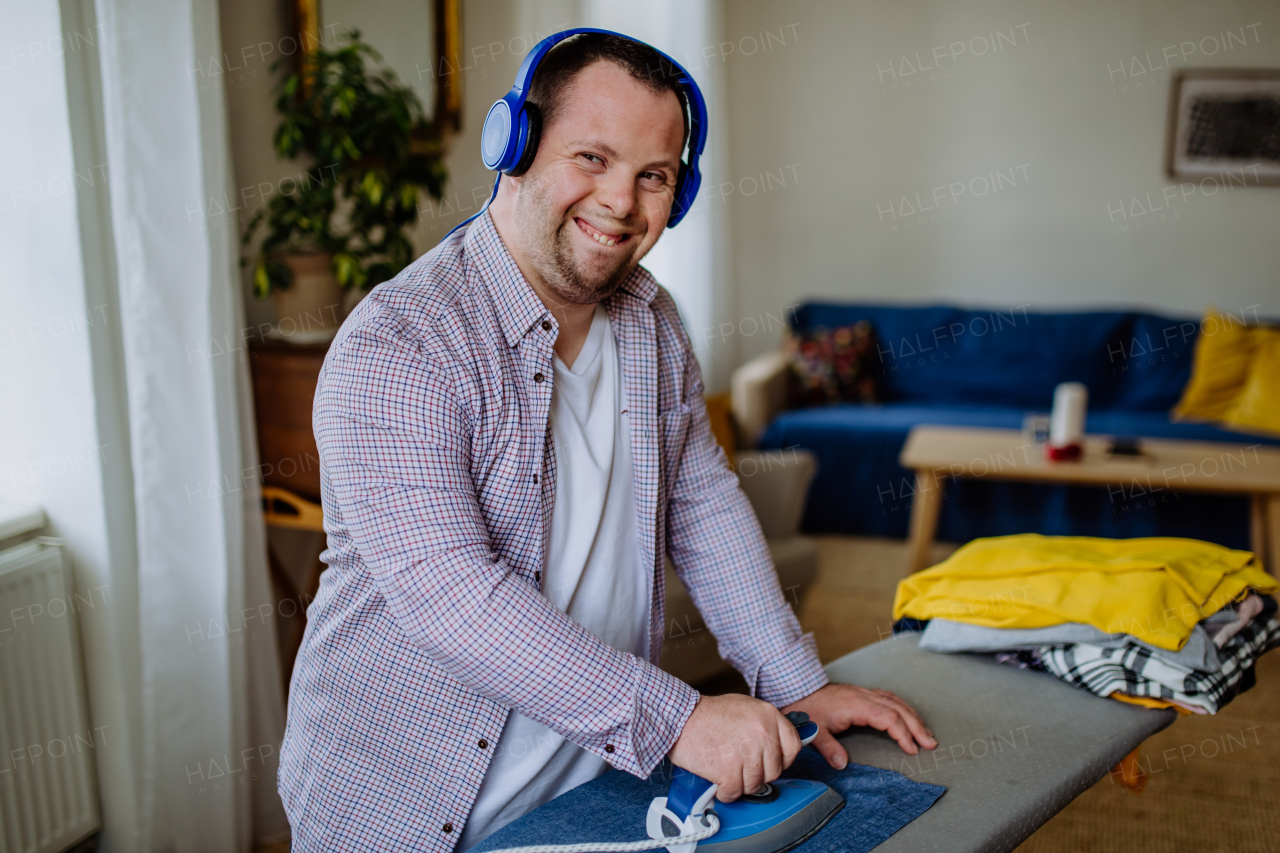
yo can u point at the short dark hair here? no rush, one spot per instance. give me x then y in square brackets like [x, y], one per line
[555, 74]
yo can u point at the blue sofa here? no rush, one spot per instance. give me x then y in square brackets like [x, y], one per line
[946, 365]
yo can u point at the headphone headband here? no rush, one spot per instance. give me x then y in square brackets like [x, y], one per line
[511, 129]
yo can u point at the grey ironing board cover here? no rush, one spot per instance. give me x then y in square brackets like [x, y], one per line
[1015, 746]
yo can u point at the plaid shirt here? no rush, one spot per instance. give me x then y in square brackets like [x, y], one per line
[1133, 670]
[438, 476]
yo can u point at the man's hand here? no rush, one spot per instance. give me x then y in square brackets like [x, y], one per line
[836, 707]
[737, 742]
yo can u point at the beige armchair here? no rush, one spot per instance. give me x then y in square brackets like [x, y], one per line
[758, 392]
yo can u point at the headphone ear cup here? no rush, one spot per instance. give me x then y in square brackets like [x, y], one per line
[530, 150]
[687, 182]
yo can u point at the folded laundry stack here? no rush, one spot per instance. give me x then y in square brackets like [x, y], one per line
[1162, 622]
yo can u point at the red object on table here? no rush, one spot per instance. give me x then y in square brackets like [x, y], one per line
[1066, 453]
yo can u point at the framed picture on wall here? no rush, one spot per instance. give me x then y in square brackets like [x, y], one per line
[421, 40]
[1224, 123]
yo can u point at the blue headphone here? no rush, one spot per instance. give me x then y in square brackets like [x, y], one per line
[509, 140]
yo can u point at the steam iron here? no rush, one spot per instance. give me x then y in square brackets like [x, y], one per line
[777, 817]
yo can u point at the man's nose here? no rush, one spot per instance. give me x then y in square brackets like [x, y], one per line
[616, 192]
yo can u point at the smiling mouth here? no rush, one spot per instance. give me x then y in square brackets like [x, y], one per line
[602, 237]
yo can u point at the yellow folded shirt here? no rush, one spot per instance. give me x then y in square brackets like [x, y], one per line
[1148, 702]
[1156, 589]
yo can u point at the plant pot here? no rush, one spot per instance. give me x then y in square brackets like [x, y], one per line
[311, 309]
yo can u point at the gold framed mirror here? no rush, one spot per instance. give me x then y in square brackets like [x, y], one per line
[421, 40]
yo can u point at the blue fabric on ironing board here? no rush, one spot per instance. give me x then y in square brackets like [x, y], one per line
[612, 807]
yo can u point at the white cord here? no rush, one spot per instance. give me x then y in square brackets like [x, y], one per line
[711, 819]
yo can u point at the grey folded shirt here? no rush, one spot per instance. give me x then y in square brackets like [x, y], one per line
[942, 635]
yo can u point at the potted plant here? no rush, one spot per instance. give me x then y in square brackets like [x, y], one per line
[370, 152]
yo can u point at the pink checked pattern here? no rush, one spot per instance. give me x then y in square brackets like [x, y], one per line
[438, 475]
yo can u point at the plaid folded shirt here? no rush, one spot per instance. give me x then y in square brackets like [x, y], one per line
[1133, 670]
[438, 475]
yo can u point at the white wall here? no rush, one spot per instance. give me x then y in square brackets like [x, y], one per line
[826, 112]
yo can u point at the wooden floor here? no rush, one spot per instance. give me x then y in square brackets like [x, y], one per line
[1214, 782]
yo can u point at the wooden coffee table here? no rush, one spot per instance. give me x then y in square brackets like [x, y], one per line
[937, 453]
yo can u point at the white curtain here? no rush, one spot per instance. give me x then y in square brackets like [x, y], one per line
[212, 715]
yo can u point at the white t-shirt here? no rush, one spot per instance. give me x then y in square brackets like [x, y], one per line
[591, 571]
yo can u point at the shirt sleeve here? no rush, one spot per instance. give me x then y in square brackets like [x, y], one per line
[395, 445]
[719, 552]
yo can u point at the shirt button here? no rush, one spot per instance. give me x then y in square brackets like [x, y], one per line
[546, 327]
[484, 744]
[448, 827]
[538, 377]
[537, 576]
[608, 747]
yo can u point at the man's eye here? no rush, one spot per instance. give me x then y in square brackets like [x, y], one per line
[654, 176]
[593, 158]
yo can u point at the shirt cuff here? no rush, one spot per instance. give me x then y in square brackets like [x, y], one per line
[661, 705]
[791, 676]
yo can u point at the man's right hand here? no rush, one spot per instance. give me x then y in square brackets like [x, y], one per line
[737, 742]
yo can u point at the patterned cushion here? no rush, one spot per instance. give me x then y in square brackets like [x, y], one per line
[834, 365]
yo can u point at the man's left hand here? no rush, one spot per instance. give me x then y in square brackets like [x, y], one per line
[836, 707]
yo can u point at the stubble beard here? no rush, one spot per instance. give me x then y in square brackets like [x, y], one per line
[551, 250]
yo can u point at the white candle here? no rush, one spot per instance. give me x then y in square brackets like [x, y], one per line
[1066, 424]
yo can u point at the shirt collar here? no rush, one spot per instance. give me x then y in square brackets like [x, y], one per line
[518, 306]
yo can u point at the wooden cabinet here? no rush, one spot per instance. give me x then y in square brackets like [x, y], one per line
[284, 388]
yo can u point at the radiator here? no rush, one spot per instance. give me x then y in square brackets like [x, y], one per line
[48, 791]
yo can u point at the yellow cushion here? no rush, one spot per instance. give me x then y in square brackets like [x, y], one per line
[1257, 408]
[1219, 368]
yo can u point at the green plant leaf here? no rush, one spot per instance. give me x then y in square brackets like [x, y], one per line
[261, 282]
[409, 196]
[368, 151]
[344, 268]
[372, 186]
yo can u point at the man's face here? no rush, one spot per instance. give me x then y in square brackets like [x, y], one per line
[600, 189]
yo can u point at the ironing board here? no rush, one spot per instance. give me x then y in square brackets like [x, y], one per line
[1015, 746]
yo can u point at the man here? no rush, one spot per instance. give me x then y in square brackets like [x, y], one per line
[512, 436]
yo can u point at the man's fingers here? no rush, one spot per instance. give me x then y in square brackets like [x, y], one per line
[830, 749]
[917, 727]
[753, 770]
[887, 719]
[773, 763]
[909, 716]
[731, 788]
[914, 724]
[790, 741]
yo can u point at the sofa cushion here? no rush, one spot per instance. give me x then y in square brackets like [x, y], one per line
[1257, 409]
[838, 365]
